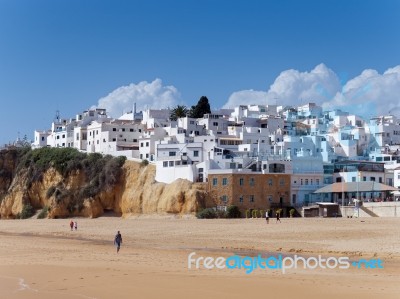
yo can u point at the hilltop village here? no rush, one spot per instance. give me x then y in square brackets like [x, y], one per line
[252, 156]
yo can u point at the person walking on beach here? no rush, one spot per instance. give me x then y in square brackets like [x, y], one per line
[71, 225]
[118, 241]
[267, 216]
[278, 218]
[76, 225]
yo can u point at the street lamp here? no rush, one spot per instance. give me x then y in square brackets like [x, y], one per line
[358, 196]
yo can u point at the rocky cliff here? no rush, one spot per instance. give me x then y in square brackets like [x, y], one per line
[135, 191]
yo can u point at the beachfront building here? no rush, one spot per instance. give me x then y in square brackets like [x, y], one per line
[360, 171]
[179, 160]
[249, 190]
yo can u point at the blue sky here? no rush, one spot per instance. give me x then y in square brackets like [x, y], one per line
[67, 55]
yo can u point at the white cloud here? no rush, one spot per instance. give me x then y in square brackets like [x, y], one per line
[368, 94]
[292, 87]
[249, 96]
[371, 93]
[144, 94]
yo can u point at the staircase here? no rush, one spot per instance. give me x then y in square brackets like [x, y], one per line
[368, 211]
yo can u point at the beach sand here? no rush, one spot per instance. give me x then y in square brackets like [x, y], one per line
[44, 259]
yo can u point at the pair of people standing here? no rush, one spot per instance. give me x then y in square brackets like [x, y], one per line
[73, 225]
[267, 217]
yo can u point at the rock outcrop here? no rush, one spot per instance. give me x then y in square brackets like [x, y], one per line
[136, 192]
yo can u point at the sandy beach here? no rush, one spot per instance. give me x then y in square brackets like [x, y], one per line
[44, 259]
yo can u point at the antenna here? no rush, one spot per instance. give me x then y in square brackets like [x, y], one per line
[57, 117]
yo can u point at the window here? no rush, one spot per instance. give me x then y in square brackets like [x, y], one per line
[114, 129]
[251, 198]
[353, 179]
[215, 124]
[241, 198]
[172, 154]
[147, 155]
[123, 129]
[196, 153]
[171, 163]
[317, 181]
[270, 182]
[165, 164]
[224, 181]
[114, 139]
[364, 178]
[269, 198]
[301, 181]
[131, 130]
[241, 181]
[97, 142]
[294, 199]
[380, 180]
[372, 179]
[215, 181]
[147, 144]
[282, 182]
[104, 140]
[306, 181]
[224, 198]
[251, 182]
[276, 168]
[43, 138]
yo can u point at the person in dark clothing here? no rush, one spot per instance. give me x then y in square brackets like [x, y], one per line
[118, 241]
[278, 218]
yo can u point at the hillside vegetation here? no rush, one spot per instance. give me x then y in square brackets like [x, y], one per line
[63, 182]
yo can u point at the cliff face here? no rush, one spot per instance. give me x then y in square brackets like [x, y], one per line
[136, 192]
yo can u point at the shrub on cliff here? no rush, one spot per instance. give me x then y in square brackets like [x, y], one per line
[27, 212]
[43, 213]
[144, 163]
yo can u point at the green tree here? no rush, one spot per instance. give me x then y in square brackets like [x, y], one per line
[178, 112]
[202, 107]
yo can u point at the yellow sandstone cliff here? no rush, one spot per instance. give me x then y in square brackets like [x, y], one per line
[136, 193]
